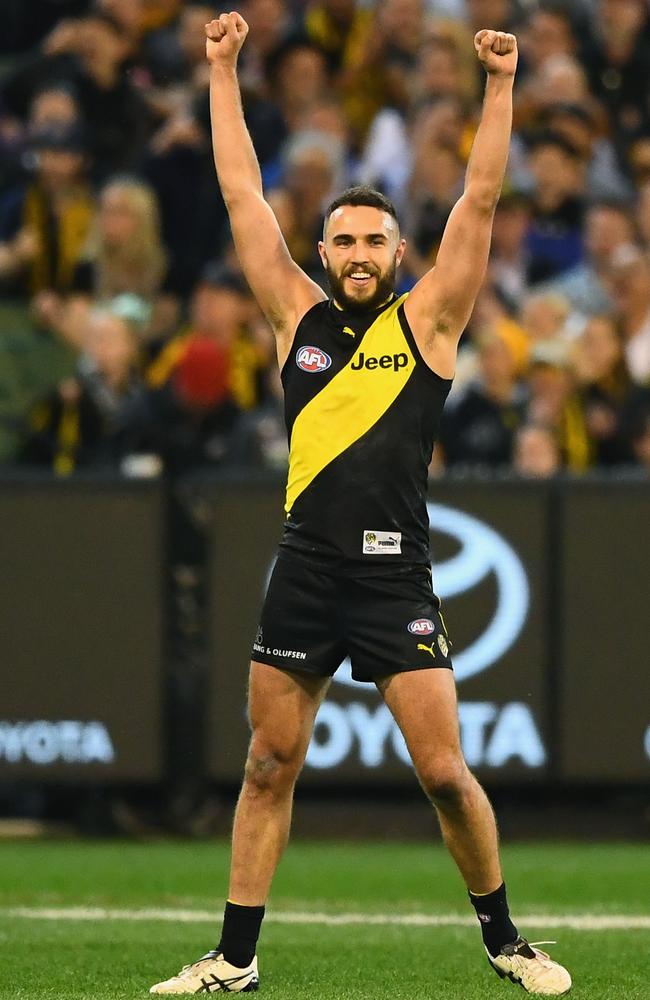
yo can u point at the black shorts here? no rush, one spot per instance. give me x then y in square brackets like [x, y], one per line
[311, 620]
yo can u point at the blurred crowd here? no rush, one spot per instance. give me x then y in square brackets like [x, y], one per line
[128, 337]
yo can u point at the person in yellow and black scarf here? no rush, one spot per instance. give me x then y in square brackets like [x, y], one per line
[556, 403]
[45, 225]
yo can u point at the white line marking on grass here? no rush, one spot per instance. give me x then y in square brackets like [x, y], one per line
[576, 921]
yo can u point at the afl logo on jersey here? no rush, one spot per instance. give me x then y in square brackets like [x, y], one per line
[421, 626]
[312, 359]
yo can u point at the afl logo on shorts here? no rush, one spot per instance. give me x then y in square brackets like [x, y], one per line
[312, 359]
[421, 626]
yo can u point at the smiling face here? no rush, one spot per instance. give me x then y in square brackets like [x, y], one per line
[361, 251]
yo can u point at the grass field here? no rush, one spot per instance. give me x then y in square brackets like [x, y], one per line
[105, 920]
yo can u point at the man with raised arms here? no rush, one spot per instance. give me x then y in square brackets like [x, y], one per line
[366, 375]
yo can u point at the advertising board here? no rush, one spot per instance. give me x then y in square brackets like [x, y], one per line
[81, 631]
[490, 565]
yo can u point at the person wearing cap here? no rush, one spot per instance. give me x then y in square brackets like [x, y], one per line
[45, 224]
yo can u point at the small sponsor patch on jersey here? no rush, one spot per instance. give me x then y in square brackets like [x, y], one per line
[442, 645]
[312, 359]
[421, 626]
[379, 543]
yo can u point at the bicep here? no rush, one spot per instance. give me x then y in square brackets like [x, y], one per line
[443, 299]
[283, 290]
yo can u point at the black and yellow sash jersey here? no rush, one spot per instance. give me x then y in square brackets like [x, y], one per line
[362, 410]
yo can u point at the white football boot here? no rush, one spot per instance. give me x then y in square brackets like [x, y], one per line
[211, 974]
[533, 969]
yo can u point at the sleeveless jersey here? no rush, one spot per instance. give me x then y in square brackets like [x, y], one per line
[362, 410]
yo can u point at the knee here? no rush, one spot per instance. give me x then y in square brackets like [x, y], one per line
[271, 769]
[445, 780]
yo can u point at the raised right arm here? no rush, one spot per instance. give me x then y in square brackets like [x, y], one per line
[283, 290]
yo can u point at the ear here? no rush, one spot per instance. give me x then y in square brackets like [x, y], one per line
[399, 253]
[323, 254]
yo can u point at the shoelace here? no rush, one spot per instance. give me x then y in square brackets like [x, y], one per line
[186, 968]
[534, 945]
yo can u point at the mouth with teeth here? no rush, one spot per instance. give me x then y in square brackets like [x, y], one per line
[360, 278]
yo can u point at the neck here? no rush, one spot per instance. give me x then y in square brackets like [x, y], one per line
[379, 305]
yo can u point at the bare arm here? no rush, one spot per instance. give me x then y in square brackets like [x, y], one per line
[282, 289]
[441, 303]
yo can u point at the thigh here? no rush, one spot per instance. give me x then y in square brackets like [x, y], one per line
[282, 706]
[424, 705]
[299, 628]
[394, 624]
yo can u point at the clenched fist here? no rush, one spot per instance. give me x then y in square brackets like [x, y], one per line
[225, 37]
[497, 50]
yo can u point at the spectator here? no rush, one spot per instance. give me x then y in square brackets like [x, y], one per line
[220, 310]
[442, 72]
[500, 13]
[270, 24]
[629, 287]
[45, 224]
[555, 404]
[608, 225]
[299, 80]
[191, 421]
[380, 72]
[435, 182]
[544, 317]
[617, 59]
[583, 127]
[546, 33]
[339, 28]
[314, 168]
[478, 426]
[75, 426]
[508, 263]
[536, 452]
[127, 256]
[89, 54]
[554, 242]
[609, 396]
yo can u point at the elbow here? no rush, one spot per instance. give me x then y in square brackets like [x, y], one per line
[483, 198]
[235, 194]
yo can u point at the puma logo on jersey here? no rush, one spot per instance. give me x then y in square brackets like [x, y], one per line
[394, 361]
[427, 649]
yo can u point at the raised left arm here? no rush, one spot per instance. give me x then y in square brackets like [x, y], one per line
[441, 303]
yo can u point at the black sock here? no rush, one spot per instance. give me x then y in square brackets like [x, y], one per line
[496, 926]
[239, 934]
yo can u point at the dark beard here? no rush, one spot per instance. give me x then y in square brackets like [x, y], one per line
[384, 290]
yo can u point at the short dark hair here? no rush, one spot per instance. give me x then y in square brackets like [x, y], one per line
[361, 194]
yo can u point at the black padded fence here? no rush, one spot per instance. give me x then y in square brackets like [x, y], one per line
[128, 612]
